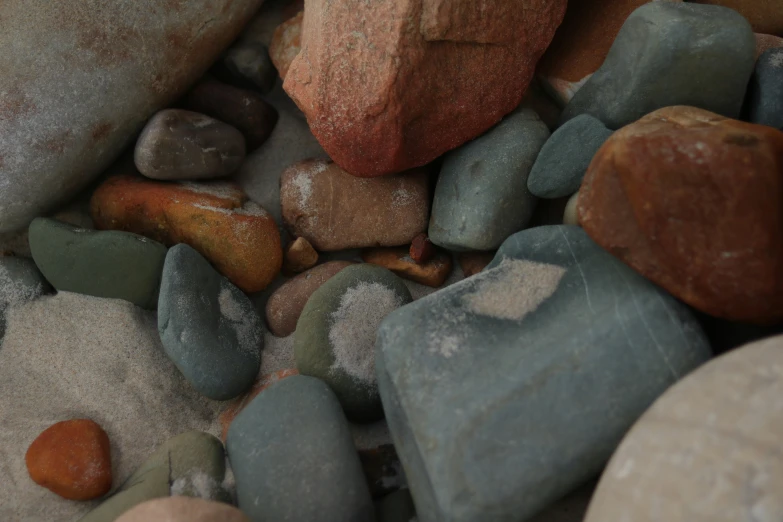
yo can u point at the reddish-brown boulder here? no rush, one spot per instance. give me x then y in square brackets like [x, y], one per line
[286, 43]
[694, 202]
[766, 16]
[387, 86]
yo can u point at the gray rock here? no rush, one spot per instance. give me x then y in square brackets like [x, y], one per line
[395, 507]
[671, 53]
[208, 327]
[20, 282]
[182, 145]
[765, 91]
[80, 79]
[564, 158]
[294, 459]
[508, 390]
[248, 64]
[482, 197]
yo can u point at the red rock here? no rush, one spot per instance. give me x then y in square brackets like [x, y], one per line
[694, 202]
[286, 43]
[422, 249]
[393, 85]
[71, 458]
[766, 16]
[767, 41]
[299, 256]
[431, 273]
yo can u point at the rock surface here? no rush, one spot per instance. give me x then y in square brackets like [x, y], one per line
[286, 43]
[248, 65]
[20, 282]
[81, 79]
[563, 393]
[396, 507]
[397, 259]
[765, 92]
[393, 86]
[299, 256]
[472, 263]
[422, 249]
[183, 509]
[766, 16]
[767, 41]
[694, 202]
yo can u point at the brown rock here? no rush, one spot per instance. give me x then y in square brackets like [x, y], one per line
[71, 458]
[335, 211]
[237, 236]
[393, 85]
[240, 108]
[299, 256]
[422, 249]
[285, 305]
[766, 16]
[286, 43]
[765, 42]
[472, 263]
[694, 202]
[183, 509]
[432, 273]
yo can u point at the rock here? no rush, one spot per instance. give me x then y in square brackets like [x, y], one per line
[472, 215]
[397, 259]
[765, 16]
[182, 145]
[472, 263]
[183, 509]
[325, 482]
[299, 256]
[191, 464]
[765, 91]
[208, 327]
[286, 43]
[216, 218]
[660, 190]
[715, 50]
[114, 264]
[367, 85]
[540, 102]
[20, 282]
[497, 406]
[249, 66]
[422, 249]
[571, 216]
[79, 84]
[396, 507]
[335, 335]
[712, 436]
[72, 459]
[240, 108]
[285, 305]
[765, 42]
[382, 469]
[336, 211]
[564, 158]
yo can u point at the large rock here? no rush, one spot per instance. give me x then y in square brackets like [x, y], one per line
[707, 450]
[508, 390]
[393, 85]
[81, 78]
[694, 202]
[766, 16]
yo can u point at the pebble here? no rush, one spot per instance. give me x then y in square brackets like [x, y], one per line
[286, 43]
[765, 91]
[690, 200]
[468, 214]
[248, 65]
[397, 259]
[498, 407]
[766, 16]
[715, 49]
[235, 234]
[299, 256]
[564, 158]
[72, 459]
[336, 211]
[302, 466]
[208, 327]
[396, 507]
[183, 509]
[113, 264]
[422, 249]
[472, 263]
[20, 282]
[285, 305]
[570, 215]
[182, 145]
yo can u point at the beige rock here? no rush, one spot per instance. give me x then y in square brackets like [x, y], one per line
[570, 216]
[397, 259]
[299, 256]
[183, 509]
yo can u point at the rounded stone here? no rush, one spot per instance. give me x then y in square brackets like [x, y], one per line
[765, 91]
[248, 65]
[286, 43]
[183, 509]
[431, 273]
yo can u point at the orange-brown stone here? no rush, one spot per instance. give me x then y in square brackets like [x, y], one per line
[422, 249]
[472, 263]
[286, 43]
[430, 273]
[299, 256]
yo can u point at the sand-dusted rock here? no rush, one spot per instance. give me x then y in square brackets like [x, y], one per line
[472, 263]
[183, 509]
[285, 305]
[216, 218]
[707, 450]
[335, 211]
[71, 458]
[387, 87]
[299, 256]
[767, 41]
[80, 80]
[20, 282]
[766, 16]
[694, 202]
[247, 64]
[286, 43]
[397, 259]
[765, 91]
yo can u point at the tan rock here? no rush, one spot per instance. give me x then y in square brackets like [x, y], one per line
[286, 43]
[767, 41]
[299, 256]
[183, 509]
[570, 216]
[472, 263]
[431, 273]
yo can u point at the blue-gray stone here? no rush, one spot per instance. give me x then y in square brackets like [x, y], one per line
[294, 459]
[208, 327]
[765, 92]
[564, 158]
[20, 282]
[481, 197]
[508, 390]
[671, 53]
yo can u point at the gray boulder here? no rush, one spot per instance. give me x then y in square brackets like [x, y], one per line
[765, 92]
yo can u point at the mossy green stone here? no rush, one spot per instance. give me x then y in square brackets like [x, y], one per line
[111, 264]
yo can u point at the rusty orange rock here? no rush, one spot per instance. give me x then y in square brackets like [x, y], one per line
[430, 273]
[694, 202]
[286, 43]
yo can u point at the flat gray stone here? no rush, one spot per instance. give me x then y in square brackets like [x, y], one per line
[765, 91]
[20, 282]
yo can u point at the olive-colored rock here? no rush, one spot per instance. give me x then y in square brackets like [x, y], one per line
[286, 43]
[183, 509]
[397, 259]
[299, 256]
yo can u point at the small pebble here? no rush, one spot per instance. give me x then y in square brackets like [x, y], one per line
[472, 263]
[247, 64]
[299, 256]
[422, 249]
[570, 216]
[397, 259]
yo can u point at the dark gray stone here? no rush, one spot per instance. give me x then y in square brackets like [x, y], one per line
[294, 459]
[508, 390]
[481, 197]
[249, 66]
[20, 282]
[395, 507]
[208, 327]
[671, 53]
[564, 158]
[765, 92]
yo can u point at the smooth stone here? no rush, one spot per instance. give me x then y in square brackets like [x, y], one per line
[183, 509]
[433, 272]
[707, 450]
[249, 66]
[396, 507]
[294, 459]
[113, 264]
[286, 43]
[564, 158]
[208, 327]
[299, 256]
[766, 16]
[765, 91]
[20, 282]
[80, 80]
[571, 215]
[497, 406]
[715, 51]
[482, 197]
[181, 145]
[335, 335]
